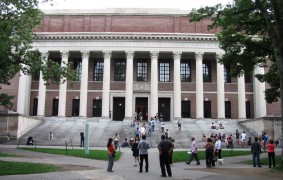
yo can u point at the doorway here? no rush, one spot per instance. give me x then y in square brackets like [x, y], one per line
[118, 108]
[164, 108]
[142, 108]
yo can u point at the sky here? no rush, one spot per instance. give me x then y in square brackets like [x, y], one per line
[103, 4]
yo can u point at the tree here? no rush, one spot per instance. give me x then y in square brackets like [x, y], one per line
[251, 34]
[17, 21]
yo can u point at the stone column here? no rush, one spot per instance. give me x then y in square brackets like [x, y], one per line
[24, 94]
[259, 96]
[154, 83]
[241, 98]
[220, 89]
[199, 85]
[177, 85]
[42, 88]
[106, 85]
[84, 84]
[129, 85]
[63, 86]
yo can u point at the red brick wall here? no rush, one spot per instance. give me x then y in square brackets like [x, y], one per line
[153, 24]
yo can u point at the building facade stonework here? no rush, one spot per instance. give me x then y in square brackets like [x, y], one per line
[144, 61]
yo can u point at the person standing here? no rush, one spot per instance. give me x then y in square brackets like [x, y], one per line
[50, 138]
[136, 150]
[165, 148]
[179, 123]
[194, 152]
[271, 153]
[209, 147]
[256, 151]
[111, 154]
[265, 140]
[143, 147]
[116, 140]
[243, 139]
[217, 148]
[82, 135]
[237, 136]
[171, 153]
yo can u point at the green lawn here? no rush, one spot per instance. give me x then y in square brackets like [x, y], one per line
[8, 155]
[264, 162]
[11, 168]
[182, 156]
[93, 154]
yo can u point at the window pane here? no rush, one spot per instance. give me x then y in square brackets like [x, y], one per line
[164, 71]
[185, 71]
[142, 70]
[98, 70]
[120, 70]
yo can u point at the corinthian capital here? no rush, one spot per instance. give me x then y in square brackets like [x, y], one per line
[44, 54]
[130, 54]
[85, 54]
[199, 55]
[177, 55]
[64, 54]
[107, 54]
[154, 54]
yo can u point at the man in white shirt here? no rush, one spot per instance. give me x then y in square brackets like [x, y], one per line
[243, 138]
[217, 148]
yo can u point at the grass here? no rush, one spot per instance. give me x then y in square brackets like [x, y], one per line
[8, 155]
[93, 154]
[182, 156]
[11, 168]
[264, 162]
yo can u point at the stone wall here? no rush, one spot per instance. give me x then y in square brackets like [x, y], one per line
[13, 125]
[271, 125]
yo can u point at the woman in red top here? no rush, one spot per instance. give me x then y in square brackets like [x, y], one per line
[271, 153]
[111, 152]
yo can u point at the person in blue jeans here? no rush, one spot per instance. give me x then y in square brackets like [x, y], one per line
[256, 151]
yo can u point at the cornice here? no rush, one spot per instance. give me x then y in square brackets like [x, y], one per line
[124, 36]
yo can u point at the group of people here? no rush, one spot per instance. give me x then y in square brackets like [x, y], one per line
[140, 154]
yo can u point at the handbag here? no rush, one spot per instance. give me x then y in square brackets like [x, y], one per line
[113, 154]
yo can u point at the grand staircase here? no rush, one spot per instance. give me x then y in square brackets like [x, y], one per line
[68, 130]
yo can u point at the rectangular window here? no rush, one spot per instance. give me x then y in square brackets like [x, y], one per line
[227, 109]
[120, 70]
[185, 70]
[206, 70]
[55, 107]
[248, 78]
[98, 70]
[186, 109]
[35, 104]
[76, 107]
[227, 77]
[97, 108]
[164, 71]
[248, 109]
[142, 65]
[207, 109]
[78, 67]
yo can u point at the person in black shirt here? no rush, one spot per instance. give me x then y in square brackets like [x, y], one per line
[256, 151]
[165, 148]
[82, 134]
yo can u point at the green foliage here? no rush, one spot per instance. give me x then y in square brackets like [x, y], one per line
[93, 154]
[11, 168]
[250, 33]
[8, 155]
[17, 21]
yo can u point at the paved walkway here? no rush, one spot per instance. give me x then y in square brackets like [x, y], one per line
[124, 169]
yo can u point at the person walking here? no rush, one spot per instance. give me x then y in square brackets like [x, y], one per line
[136, 151]
[143, 147]
[256, 151]
[165, 148]
[271, 153]
[209, 147]
[193, 152]
[82, 135]
[179, 123]
[111, 154]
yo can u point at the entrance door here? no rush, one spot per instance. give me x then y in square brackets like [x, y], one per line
[118, 108]
[142, 108]
[164, 108]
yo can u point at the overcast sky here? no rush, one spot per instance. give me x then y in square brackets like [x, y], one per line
[102, 4]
